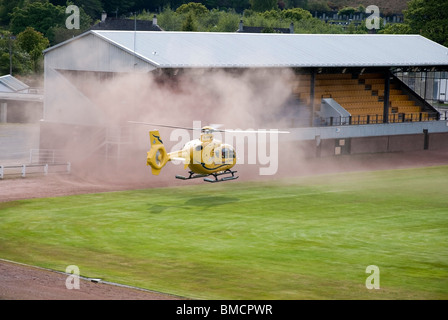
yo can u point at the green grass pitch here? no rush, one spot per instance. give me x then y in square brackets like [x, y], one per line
[299, 238]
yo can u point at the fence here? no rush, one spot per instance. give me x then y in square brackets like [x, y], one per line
[25, 169]
[432, 86]
[378, 118]
[44, 156]
[40, 161]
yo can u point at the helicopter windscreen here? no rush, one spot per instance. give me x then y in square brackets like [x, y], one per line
[228, 153]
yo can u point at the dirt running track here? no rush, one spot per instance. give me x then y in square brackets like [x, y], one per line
[19, 282]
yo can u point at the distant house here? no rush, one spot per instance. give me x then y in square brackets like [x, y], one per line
[109, 23]
[245, 29]
[18, 102]
[8, 83]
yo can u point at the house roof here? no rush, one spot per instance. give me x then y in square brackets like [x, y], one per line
[251, 50]
[247, 29]
[14, 84]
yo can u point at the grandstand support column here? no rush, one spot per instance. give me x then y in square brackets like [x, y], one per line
[386, 96]
[425, 139]
[312, 85]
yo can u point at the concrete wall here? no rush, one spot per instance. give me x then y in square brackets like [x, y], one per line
[16, 140]
[369, 144]
[21, 112]
[378, 144]
[369, 130]
[438, 141]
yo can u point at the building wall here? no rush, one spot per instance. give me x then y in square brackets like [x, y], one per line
[64, 101]
[91, 53]
[438, 141]
[16, 141]
[378, 144]
[24, 112]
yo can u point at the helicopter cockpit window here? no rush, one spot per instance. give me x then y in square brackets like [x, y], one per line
[227, 153]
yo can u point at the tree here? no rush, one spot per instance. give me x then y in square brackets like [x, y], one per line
[10, 50]
[167, 19]
[33, 42]
[263, 5]
[117, 7]
[40, 16]
[93, 8]
[236, 5]
[194, 8]
[227, 22]
[59, 33]
[396, 28]
[296, 14]
[189, 24]
[6, 7]
[318, 5]
[296, 4]
[347, 11]
[428, 18]
[48, 19]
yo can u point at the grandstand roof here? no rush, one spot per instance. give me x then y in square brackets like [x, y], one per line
[246, 50]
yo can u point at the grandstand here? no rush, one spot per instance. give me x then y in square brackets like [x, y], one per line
[363, 97]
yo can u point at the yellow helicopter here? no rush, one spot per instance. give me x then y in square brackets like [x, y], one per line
[206, 157]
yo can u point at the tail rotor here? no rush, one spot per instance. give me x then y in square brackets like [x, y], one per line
[157, 157]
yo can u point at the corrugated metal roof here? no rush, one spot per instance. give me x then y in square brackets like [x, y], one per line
[221, 50]
[13, 83]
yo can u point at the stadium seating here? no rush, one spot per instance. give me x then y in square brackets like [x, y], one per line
[362, 96]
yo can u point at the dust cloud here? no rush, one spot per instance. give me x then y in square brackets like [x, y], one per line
[87, 114]
[115, 150]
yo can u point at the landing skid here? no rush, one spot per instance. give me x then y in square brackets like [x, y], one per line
[214, 175]
[191, 176]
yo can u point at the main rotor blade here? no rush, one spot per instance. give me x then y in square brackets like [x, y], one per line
[255, 131]
[162, 125]
[215, 130]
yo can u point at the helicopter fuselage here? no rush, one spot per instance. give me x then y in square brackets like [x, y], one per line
[207, 157]
[204, 156]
